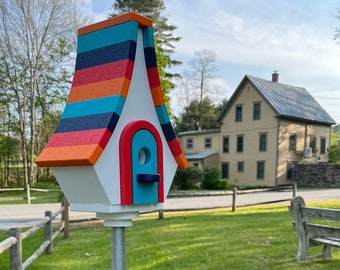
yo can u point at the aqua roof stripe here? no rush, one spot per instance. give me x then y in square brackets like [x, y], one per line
[94, 106]
[148, 37]
[162, 114]
[108, 36]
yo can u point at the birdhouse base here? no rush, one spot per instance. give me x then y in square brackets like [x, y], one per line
[118, 219]
[115, 208]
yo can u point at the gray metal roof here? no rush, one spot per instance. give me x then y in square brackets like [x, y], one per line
[198, 156]
[286, 100]
[199, 132]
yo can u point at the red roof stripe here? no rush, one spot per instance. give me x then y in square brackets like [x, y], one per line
[85, 137]
[175, 148]
[104, 72]
[153, 77]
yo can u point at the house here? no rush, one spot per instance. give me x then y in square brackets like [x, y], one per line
[266, 129]
[201, 147]
[114, 149]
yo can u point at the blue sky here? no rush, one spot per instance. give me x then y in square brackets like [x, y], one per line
[293, 37]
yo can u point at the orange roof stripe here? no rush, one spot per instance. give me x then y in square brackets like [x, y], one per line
[181, 162]
[80, 155]
[130, 16]
[157, 96]
[119, 86]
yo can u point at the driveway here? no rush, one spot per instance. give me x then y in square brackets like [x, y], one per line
[29, 214]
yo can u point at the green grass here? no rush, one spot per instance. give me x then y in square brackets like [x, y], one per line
[251, 238]
[37, 197]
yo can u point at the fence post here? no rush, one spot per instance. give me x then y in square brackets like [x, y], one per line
[49, 232]
[294, 189]
[16, 250]
[233, 207]
[160, 214]
[66, 218]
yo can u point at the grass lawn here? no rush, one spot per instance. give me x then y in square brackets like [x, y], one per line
[20, 197]
[252, 238]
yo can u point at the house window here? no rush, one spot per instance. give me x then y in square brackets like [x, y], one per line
[260, 170]
[238, 113]
[292, 170]
[207, 142]
[239, 143]
[263, 142]
[312, 143]
[257, 111]
[240, 166]
[225, 145]
[292, 142]
[190, 143]
[322, 145]
[225, 170]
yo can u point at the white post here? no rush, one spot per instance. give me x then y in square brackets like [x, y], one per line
[118, 222]
[118, 248]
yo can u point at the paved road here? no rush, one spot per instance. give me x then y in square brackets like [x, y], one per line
[29, 214]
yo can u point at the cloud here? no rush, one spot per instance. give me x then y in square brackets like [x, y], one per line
[287, 46]
[227, 21]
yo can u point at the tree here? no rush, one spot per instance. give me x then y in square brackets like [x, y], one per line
[189, 119]
[33, 34]
[196, 82]
[203, 69]
[337, 29]
[164, 37]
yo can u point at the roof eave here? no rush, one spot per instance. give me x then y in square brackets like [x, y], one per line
[306, 120]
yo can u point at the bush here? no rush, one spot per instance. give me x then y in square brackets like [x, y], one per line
[334, 154]
[188, 179]
[47, 182]
[194, 178]
[212, 180]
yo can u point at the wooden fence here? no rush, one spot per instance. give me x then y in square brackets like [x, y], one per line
[236, 192]
[14, 241]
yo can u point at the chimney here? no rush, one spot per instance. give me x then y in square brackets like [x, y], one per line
[275, 77]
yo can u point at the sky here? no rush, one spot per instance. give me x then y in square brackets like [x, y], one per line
[293, 37]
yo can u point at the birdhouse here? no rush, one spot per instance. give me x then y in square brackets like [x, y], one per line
[114, 149]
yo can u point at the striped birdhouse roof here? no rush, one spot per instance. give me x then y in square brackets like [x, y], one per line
[104, 67]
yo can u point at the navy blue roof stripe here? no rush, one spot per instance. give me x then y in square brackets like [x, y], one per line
[150, 57]
[107, 54]
[88, 122]
[291, 101]
[168, 132]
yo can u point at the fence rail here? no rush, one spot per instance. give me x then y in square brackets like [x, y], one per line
[32, 189]
[236, 192]
[14, 241]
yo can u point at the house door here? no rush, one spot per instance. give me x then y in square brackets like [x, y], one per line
[141, 164]
[225, 170]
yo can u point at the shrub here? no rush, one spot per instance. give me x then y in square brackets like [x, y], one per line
[47, 182]
[188, 179]
[212, 180]
[334, 154]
